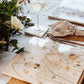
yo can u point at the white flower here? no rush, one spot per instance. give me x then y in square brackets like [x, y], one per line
[16, 23]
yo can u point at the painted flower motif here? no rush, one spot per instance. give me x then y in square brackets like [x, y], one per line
[16, 23]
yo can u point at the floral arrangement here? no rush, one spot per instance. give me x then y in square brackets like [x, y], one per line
[11, 25]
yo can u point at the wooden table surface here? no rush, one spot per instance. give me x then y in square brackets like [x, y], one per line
[74, 38]
[16, 81]
[48, 8]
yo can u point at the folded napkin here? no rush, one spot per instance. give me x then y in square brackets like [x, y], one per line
[64, 28]
[79, 32]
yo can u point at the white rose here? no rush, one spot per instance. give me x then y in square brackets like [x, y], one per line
[16, 23]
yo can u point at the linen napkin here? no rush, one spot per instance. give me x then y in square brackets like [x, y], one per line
[64, 28]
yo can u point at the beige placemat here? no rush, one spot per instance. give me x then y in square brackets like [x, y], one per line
[69, 10]
[47, 62]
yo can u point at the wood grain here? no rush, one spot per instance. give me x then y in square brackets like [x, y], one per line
[81, 80]
[74, 38]
[73, 22]
[16, 81]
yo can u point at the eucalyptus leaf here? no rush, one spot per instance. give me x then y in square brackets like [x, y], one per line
[20, 50]
[14, 43]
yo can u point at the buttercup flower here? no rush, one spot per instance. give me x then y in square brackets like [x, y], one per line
[16, 23]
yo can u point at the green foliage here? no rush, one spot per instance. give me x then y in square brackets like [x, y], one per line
[14, 42]
[8, 9]
[21, 50]
[25, 21]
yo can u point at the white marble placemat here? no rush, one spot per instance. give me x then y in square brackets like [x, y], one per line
[47, 62]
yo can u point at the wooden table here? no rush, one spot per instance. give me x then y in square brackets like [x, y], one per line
[74, 38]
[48, 8]
[16, 81]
